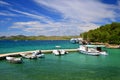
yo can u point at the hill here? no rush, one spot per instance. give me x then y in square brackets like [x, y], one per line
[23, 37]
[109, 33]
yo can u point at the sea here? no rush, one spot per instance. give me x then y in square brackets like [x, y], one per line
[72, 66]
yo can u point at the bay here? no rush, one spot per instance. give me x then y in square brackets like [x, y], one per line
[73, 66]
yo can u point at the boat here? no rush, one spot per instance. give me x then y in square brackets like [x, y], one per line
[76, 40]
[14, 59]
[33, 55]
[58, 46]
[73, 40]
[38, 54]
[28, 55]
[59, 52]
[94, 50]
[63, 52]
[56, 52]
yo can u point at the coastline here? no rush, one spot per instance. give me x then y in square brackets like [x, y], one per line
[107, 45]
[23, 37]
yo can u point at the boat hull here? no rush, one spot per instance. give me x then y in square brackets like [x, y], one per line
[14, 60]
[33, 55]
[59, 52]
[90, 53]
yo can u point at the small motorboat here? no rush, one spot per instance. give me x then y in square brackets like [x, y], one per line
[28, 55]
[33, 55]
[56, 52]
[94, 50]
[76, 40]
[38, 54]
[14, 59]
[63, 52]
[57, 46]
[59, 52]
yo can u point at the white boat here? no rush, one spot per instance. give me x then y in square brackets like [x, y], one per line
[28, 55]
[59, 52]
[76, 40]
[14, 59]
[62, 52]
[56, 52]
[57, 46]
[33, 55]
[73, 40]
[94, 50]
[38, 54]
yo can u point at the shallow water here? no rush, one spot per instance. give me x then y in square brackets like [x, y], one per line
[73, 66]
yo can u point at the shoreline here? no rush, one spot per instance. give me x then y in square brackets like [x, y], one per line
[107, 45]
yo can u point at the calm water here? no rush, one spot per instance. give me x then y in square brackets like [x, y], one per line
[73, 66]
[16, 46]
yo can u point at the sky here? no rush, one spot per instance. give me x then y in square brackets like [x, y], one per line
[55, 17]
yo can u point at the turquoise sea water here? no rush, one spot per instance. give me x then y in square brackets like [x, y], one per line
[73, 66]
[7, 46]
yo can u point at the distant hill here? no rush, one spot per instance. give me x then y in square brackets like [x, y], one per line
[23, 37]
[109, 33]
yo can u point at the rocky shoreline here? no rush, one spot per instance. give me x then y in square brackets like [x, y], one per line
[107, 45]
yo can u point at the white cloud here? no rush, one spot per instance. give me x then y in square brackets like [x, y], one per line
[4, 3]
[119, 4]
[39, 17]
[7, 14]
[5, 20]
[77, 16]
[84, 10]
[58, 28]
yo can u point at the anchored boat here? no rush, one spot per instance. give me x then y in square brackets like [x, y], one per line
[59, 52]
[33, 55]
[76, 40]
[94, 50]
[14, 59]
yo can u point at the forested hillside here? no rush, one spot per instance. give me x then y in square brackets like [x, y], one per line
[109, 33]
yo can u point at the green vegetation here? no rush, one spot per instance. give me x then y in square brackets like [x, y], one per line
[22, 37]
[109, 33]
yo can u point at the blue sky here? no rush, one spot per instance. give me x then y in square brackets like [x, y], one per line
[55, 17]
